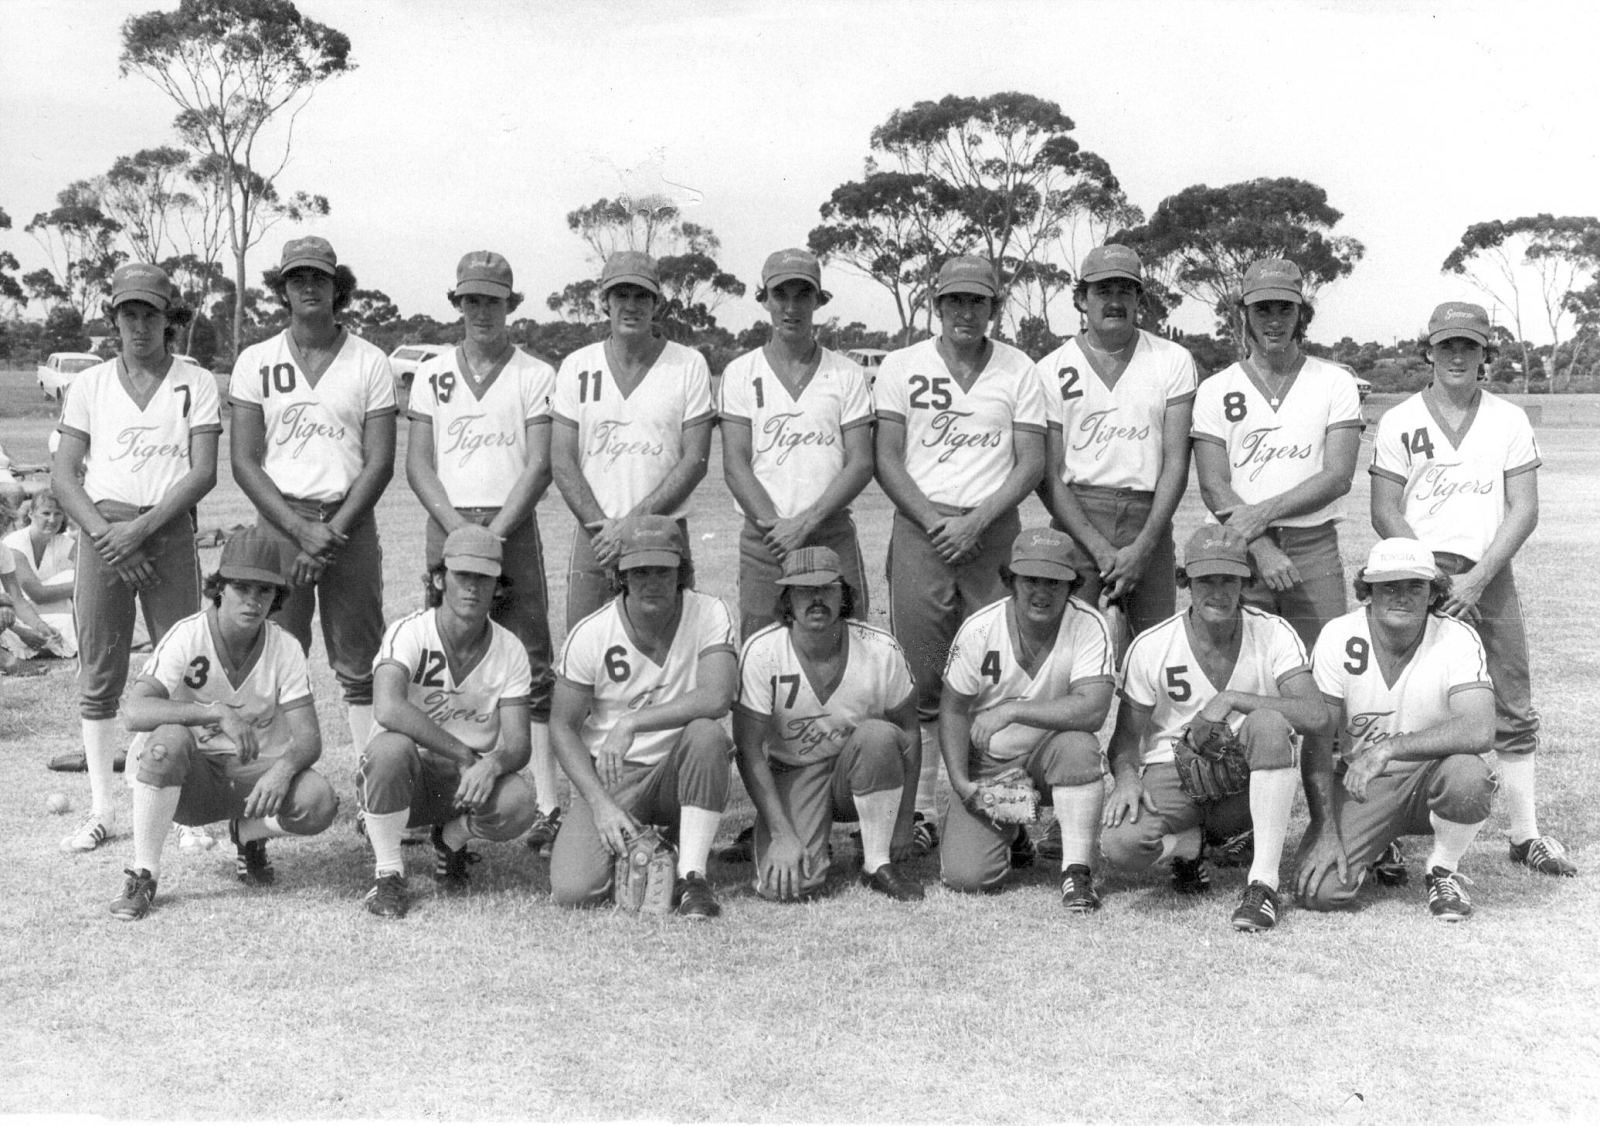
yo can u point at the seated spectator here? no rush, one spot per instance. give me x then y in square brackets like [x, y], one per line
[42, 554]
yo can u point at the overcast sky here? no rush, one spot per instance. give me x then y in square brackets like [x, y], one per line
[471, 125]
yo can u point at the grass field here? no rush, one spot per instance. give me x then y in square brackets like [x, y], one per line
[293, 1003]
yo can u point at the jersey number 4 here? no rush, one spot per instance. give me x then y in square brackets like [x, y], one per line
[1419, 441]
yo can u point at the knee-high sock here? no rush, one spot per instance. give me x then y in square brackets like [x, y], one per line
[1271, 799]
[928, 780]
[1078, 811]
[1184, 845]
[1451, 839]
[542, 765]
[100, 748]
[877, 812]
[360, 717]
[456, 832]
[260, 829]
[1517, 784]
[153, 810]
[384, 831]
[697, 828]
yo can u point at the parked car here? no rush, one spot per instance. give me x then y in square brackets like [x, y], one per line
[406, 359]
[869, 358]
[60, 369]
[1363, 388]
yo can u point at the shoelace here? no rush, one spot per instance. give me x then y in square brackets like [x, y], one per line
[1545, 848]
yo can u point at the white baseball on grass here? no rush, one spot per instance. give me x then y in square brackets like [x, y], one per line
[57, 803]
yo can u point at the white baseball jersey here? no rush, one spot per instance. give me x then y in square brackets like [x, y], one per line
[190, 662]
[1160, 671]
[480, 428]
[1455, 482]
[959, 440]
[1450, 659]
[1272, 449]
[600, 658]
[983, 664]
[468, 707]
[314, 428]
[627, 444]
[796, 441]
[138, 452]
[805, 728]
[1112, 433]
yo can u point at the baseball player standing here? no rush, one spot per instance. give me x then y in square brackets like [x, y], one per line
[632, 430]
[313, 449]
[1457, 468]
[480, 454]
[1275, 442]
[1414, 712]
[796, 442]
[1217, 664]
[228, 727]
[960, 443]
[825, 727]
[142, 432]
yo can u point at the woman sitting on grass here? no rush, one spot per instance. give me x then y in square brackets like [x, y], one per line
[44, 557]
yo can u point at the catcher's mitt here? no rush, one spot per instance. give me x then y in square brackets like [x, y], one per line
[644, 875]
[1214, 768]
[1007, 799]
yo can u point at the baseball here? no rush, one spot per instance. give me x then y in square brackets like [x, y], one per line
[57, 803]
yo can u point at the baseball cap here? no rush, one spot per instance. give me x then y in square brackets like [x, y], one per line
[792, 265]
[811, 566]
[1459, 318]
[967, 274]
[140, 281]
[651, 541]
[1216, 549]
[252, 556]
[475, 549]
[1398, 558]
[485, 272]
[309, 253]
[1273, 279]
[1112, 260]
[633, 267]
[1044, 553]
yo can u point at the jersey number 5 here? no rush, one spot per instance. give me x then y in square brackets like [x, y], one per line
[1178, 688]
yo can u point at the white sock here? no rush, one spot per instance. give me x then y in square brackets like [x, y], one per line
[1451, 839]
[877, 812]
[1271, 800]
[100, 748]
[384, 831]
[697, 828]
[455, 832]
[260, 829]
[1078, 811]
[1517, 784]
[1181, 846]
[542, 765]
[153, 810]
[360, 718]
[928, 780]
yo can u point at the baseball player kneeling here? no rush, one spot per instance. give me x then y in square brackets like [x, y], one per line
[1189, 756]
[228, 730]
[1028, 684]
[450, 697]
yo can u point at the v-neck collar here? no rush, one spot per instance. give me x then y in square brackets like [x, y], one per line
[844, 668]
[1290, 382]
[315, 377]
[795, 390]
[966, 385]
[236, 674]
[479, 386]
[1014, 635]
[1192, 635]
[624, 389]
[633, 636]
[1108, 380]
[141, 401]
[1454, 436]
[459, 669]
[1404, 666]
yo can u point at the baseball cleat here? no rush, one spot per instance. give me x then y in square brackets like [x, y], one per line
[1191, 877]
[1023, 850]
[138, 893]
[1543, 854]
[1390, 868]
[743, 848]
[195, 838]
[1257, 910]
[924, 835]
[88, 836]
[389, 897]
[542, 834]
[1447, 899]
[1049, 846]
[888, 880]
[250, 862]
[450, 864]
[695, 899]
[1238, 851]
[1077, 890]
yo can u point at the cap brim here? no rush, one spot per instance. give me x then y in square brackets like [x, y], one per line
[1397, 576]
[481, 287]
[1203, 567]
[631, 279]
[316, 264]
[252, 575]
[1043, 569]
[473, 565]
[791, 275]
[1102, 275]
[977, 289]
[1451, 333]
[1274, 294]
[158, 301]
[658, 558]
[811, 578]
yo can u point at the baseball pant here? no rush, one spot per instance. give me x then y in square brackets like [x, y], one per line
[589, 584]
[975, 852]
[351, 587]
[929, 599]
[103, 605]
[1459, 788]
[817, 794]
[1319, 596]
[217, 785]
[396, 774]
[1120, 515]
[694, 773]
[526, 612]
[1504, 634]
[759, 571]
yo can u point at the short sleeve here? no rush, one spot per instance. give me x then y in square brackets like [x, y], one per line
[1467, 663]
[1327, 665]
[402, 645]
[292, 671]
[1182, 377]
[1032, 410]
[857, 405]
[961, 670]
[1344, 402]
[716, 629]
[424, 396]
[564, 398]
[75, 416]
[735, 404]
[1207, 422]
[755, 672]
[380, 385]
[889, 391]
[1287, 652]
[900, 683]
[1390, 458]
[1522, 450]
[1092, 656]
[1139, 671]
[206, 413]
[696, 389]
[169, 661]
[519, 681]
[540, 384]
[242, 387]
[579, 664]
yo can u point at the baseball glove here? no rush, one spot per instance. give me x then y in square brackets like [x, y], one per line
[1007, 799]
[644, 875]
[1212, 768]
